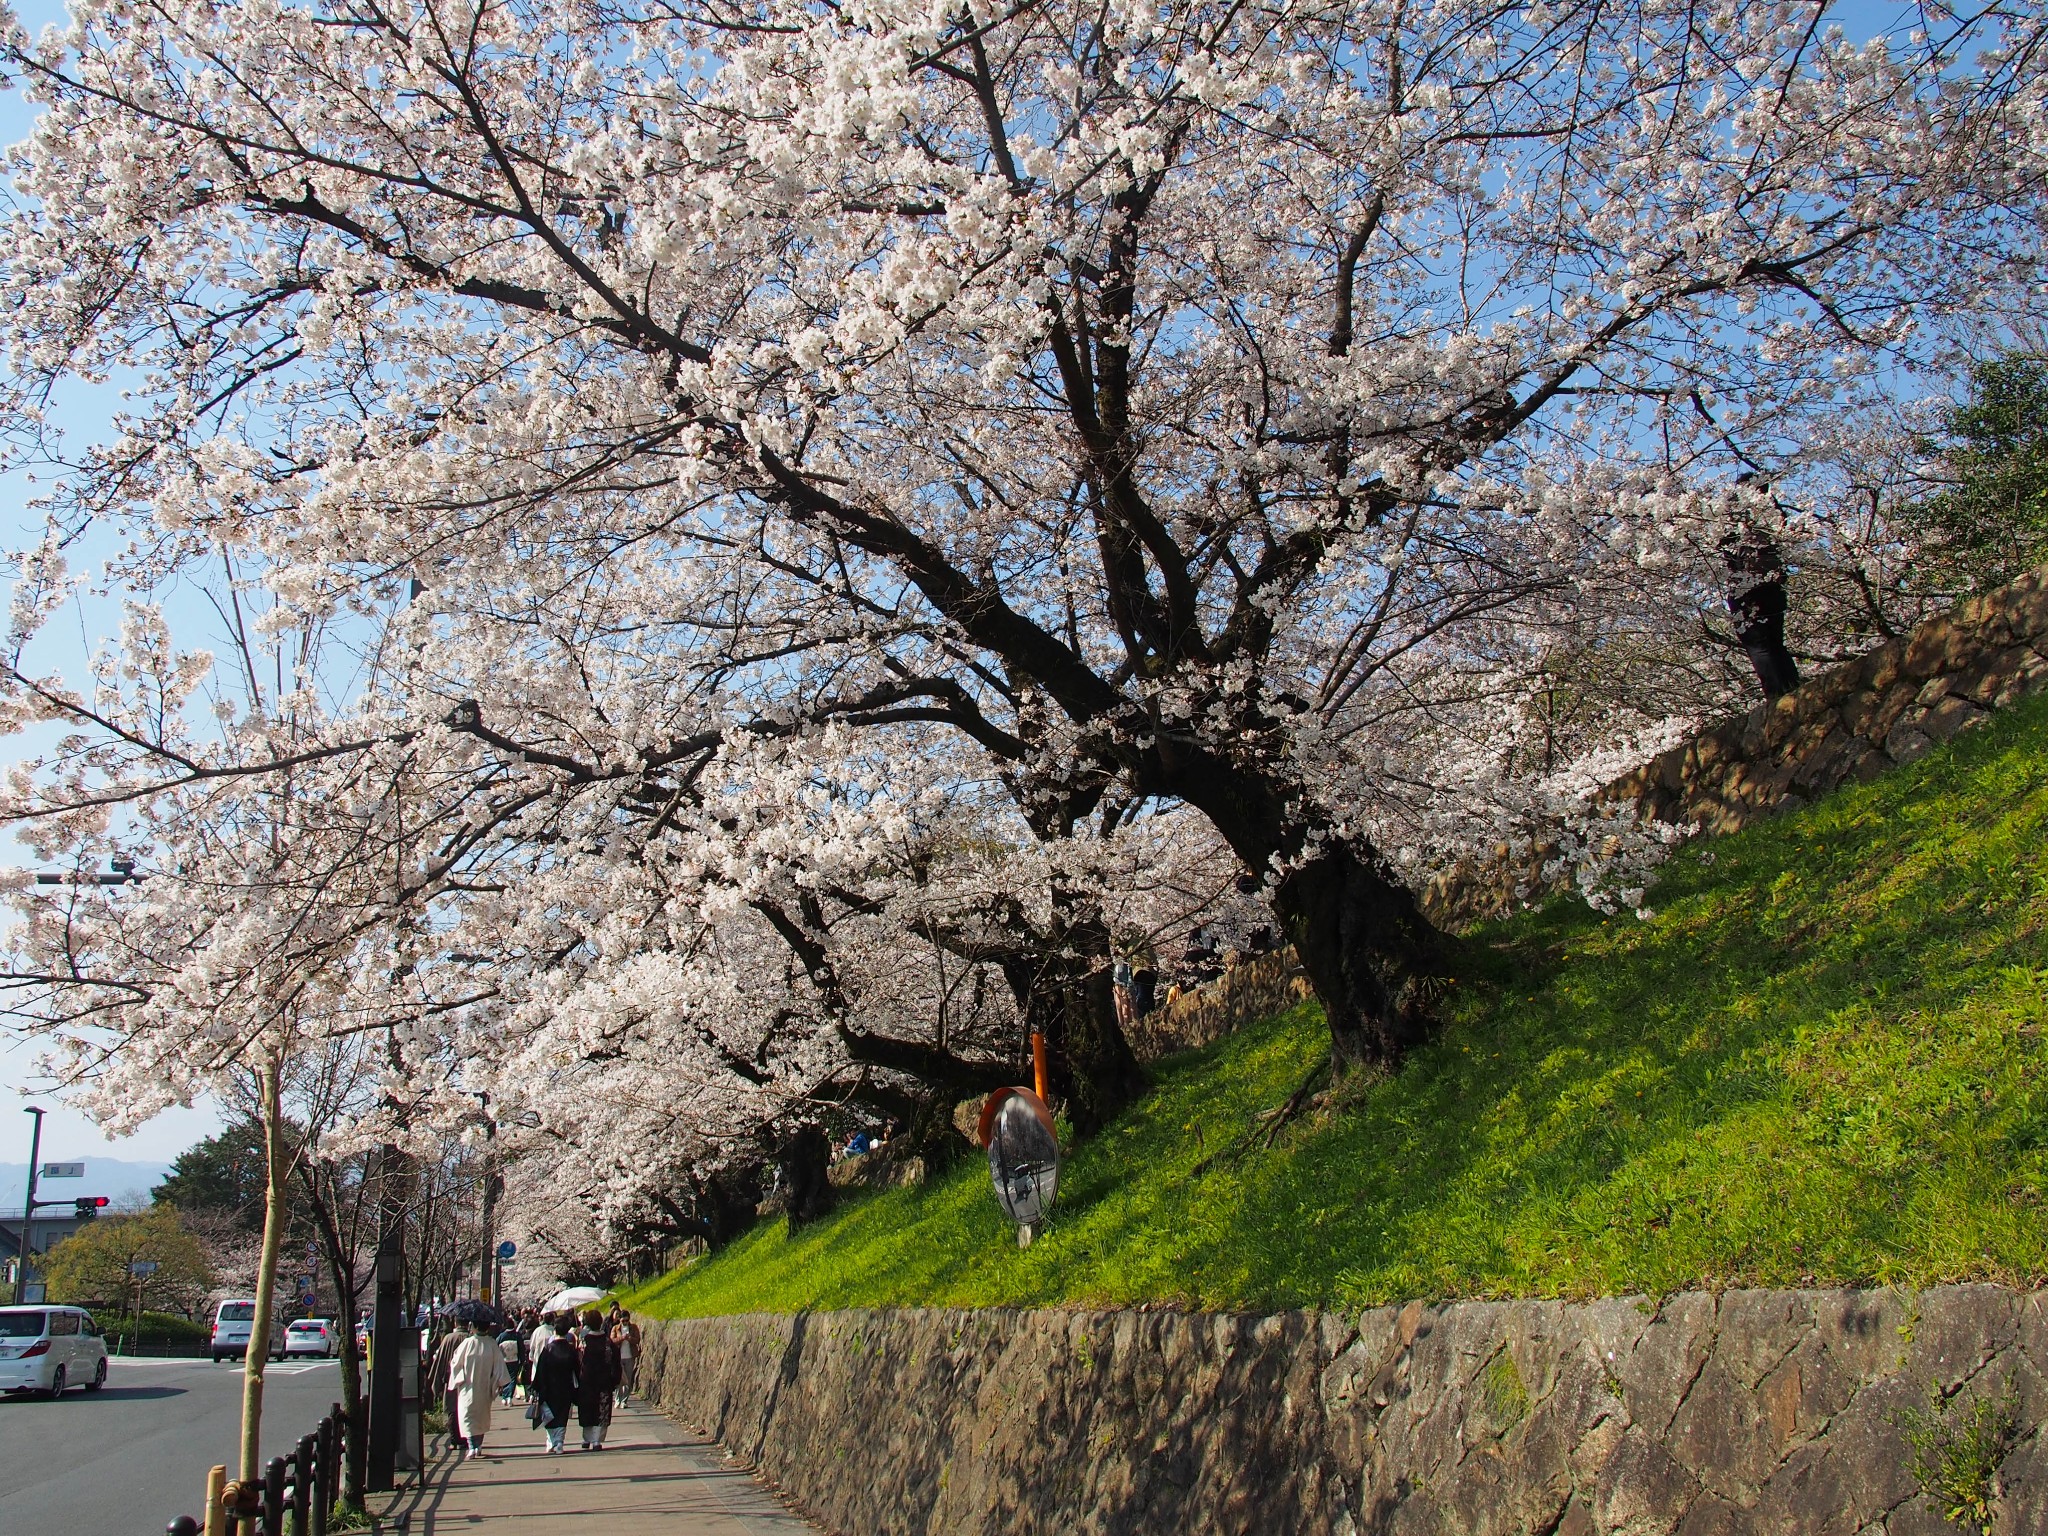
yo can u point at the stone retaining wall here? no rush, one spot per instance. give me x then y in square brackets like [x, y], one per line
[1887, 707]
[1698, 1415]
[1253, 987]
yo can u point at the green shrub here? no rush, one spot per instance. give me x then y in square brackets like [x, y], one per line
[1507, 1399]
[1958, 1444]
[156, 1327]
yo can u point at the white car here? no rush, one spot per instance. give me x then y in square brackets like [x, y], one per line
[311, 1336]
[232, 1321]
[46, 1349]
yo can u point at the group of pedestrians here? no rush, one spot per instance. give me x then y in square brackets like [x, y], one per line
[583, 1369]
[563, 1363]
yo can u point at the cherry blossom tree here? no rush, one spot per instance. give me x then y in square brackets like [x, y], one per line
[247, 944]
[1129, 393]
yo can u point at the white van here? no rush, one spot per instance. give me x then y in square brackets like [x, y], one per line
[233, 1319]
[46, 1349]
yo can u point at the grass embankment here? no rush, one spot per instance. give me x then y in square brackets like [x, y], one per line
[1822, 1061]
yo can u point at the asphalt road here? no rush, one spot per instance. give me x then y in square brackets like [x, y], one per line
[124, 1460]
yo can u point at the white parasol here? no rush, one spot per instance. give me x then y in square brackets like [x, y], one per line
[574, 1299]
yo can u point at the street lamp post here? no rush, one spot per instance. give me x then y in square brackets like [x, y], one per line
[28, 1206]
[120, 872]
[489, 1245]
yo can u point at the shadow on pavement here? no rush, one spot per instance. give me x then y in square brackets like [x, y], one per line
[79, 1395]
[415, 1500]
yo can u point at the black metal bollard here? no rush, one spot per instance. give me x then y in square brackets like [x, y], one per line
[302, 1485]
[273, 1497]
[308, 1494]
[344, 1431]
[184, 1525]
[323, 1474]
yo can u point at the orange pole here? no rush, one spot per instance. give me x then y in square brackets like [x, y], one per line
[1038, 1065]
[216, 1515]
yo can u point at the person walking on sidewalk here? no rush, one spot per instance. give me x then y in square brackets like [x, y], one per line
[439, 1383]
[626, 1339]
[540, 1332]
[600, 1377]
[557, 1376]
[476, 1374]
[511, 1344]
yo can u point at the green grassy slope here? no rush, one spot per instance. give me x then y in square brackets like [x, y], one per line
[1821, 1061]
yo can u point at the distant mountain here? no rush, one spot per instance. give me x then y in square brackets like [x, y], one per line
[113, 1177]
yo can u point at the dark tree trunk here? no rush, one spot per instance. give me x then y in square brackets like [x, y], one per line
[1104, 1073]
[338, 1241]
[1757, 602]
[1376, 963]
[930, 1133]
[721, 1206]
[1067, 991]
[728, 1204]
[802, 1158]
[1089, 1061]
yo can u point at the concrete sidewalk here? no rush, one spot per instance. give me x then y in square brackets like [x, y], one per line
[650, 1478]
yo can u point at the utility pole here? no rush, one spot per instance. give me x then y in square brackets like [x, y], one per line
[28, 1206]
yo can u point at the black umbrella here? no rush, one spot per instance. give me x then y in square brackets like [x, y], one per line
[469, 1312]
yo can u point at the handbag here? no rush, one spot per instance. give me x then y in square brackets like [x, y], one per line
[540, 1415]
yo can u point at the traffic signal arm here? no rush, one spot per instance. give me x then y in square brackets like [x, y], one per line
[86, 1206]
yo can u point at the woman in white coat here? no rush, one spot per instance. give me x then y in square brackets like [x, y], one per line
[476, 1375]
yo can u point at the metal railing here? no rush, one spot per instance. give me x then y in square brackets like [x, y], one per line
[294, 1497]
[120, 1347]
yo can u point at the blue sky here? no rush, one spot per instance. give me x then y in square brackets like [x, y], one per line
[68, 1134]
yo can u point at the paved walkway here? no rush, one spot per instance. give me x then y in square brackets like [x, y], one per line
[650, 1478]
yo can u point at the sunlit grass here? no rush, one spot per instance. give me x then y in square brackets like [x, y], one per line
[1821, 1062]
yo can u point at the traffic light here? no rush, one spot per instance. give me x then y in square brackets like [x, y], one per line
[88, 1206]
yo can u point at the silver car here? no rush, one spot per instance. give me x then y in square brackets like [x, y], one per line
[233, 1321]
[312, 1336]
[46, 1349]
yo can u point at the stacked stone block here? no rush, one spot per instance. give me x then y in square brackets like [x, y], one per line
[1731, 1414]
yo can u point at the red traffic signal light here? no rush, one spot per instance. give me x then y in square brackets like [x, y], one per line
[88, 1206]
